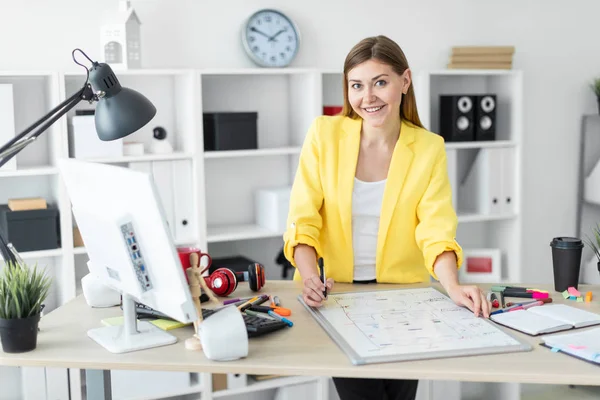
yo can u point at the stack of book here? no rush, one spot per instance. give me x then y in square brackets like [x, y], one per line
[481, 57]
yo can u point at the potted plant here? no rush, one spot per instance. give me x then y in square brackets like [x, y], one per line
[596, 88]
[22, 291]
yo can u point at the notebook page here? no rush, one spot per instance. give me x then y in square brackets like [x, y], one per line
[584, 344]
[571, 315]
[532, 324]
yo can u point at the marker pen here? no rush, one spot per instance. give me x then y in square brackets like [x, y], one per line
[279, 317]
[322, 268]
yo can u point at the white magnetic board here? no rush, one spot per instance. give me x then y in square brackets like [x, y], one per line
[408, 324]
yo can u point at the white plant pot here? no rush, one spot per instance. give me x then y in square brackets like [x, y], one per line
[589, 272]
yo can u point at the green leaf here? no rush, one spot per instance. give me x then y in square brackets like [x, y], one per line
[22, 290]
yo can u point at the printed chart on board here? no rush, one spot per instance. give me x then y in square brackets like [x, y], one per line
[408, 324]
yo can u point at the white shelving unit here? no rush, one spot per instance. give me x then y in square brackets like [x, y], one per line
[213, 205]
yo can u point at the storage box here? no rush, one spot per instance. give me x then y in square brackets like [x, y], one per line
[272, 207]
[230, 131]
[31, 230]
[85, 142]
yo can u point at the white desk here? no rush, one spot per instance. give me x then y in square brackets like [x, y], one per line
[305, 349]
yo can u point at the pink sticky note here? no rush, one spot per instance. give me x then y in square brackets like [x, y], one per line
[573, 291]
[577, 347]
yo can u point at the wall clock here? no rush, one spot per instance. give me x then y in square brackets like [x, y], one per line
[270, 38]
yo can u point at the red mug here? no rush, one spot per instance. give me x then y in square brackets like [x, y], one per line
[184, 257]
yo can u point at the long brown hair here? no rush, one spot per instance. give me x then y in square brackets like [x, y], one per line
[387, 51]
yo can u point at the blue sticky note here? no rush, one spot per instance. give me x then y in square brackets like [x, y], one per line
[555, 349]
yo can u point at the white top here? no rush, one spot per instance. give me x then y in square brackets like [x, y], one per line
[366, 207]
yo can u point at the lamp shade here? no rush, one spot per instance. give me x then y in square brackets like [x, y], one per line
[120, 111]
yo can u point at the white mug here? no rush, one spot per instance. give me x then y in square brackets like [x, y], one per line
[223, 335]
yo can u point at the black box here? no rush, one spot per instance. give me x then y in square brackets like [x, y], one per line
[230, 131]
[31, 230]
[235, 263]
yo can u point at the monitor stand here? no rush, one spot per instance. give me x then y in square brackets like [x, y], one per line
[133, 335]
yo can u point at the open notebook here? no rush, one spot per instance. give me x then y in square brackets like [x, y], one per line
[581, 344]
[546, 319]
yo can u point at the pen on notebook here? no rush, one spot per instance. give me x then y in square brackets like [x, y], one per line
[535, 303]
[322, 268]
[546, 300]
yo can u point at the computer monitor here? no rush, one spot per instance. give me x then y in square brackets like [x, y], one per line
[124, 229]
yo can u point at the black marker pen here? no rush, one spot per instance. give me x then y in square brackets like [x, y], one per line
[322, 268]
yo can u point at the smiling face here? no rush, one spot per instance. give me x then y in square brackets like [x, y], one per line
[375, 92]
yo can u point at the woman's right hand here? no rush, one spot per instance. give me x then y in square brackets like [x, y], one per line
[312, 293]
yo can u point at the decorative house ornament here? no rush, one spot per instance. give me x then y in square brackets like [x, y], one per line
[121, 39]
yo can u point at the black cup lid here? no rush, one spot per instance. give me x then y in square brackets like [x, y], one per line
[566, 243]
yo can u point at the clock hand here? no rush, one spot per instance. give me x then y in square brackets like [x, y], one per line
[253, 29]
[272, 38]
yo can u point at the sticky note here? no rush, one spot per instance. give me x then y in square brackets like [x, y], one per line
[572, 298]
[588, 297]
[164, 324]
[573, 291]
[565, 294]
[167, 324]
[580, 299]
[555, 349]
[577, 347]
[112, 321]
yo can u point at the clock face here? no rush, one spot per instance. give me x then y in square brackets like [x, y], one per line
[270, 38]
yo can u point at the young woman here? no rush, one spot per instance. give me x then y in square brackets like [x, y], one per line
[372, 197]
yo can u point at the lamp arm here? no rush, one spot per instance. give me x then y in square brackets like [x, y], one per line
[11, 148]
[18, 143]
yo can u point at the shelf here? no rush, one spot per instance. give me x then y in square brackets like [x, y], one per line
[255, 386]
[473, 72]
[31, 171]
[481, 145]
[252, 152]
[466, 217]
[145, 157]
[256, 71]
[228, 233]
[27, 255]
[82, 250]
[17, 74]
[193, 389]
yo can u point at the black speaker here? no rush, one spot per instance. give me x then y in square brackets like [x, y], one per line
[457, 117]
[485, 117]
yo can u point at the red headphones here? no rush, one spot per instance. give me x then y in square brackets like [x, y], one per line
[224, 281]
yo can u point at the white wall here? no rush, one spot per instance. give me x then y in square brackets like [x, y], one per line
[555, 41]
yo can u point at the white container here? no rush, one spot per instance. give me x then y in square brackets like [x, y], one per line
[271, 208]
[87, 144]
[591, 188]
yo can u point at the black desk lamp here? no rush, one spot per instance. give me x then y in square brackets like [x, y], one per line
[119, 113]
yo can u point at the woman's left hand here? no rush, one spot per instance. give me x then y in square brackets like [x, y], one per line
[471, 297]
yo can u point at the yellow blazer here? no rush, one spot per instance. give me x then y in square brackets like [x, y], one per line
[417, 221]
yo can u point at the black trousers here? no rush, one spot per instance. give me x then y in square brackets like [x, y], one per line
[375, 389]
